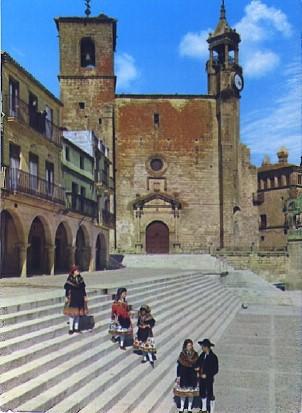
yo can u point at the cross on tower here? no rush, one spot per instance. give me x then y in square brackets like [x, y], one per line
[88, 10]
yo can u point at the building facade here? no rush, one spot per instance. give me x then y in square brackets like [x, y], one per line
[184, 182]
[39, 232]
[277, 184]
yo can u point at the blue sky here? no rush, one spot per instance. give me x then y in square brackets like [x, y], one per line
[161, 48]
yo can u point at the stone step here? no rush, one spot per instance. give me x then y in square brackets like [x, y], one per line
[81, 369]
[101, 386]
[33, 314]
[27, 303]
[25, 327]
[146, 391]
[165, 403]
[49, 307]
[14, 360]
[51, 333]
[125, 384]
[34, 330]
[33, 366]
[31, 302]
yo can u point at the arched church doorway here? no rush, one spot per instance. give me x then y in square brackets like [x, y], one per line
[37, 262]
[101, 252]
[62, 260]
[82, 252]
[9, 264]
[157, 238]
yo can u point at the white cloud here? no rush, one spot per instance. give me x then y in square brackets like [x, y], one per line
[194, 44]
[259, 24]
[265, 131]
[260, 63]
[126, 71]
[259, 21]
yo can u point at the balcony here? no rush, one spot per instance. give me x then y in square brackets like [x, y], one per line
[21, 111]
[83, 206]
[108, 218]
[103, 181]
[111, 184]
[17, 181]
[258, 198]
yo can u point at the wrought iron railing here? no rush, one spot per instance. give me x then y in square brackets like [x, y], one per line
[16, 180]
[102, 178]
[16, 108]
[82, 205]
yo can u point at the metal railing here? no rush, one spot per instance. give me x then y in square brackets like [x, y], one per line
[111, 183]
[16, 108]
[82, 205]
[16, 180]
[102, 177]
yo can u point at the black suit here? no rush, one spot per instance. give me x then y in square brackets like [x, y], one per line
[209, 366]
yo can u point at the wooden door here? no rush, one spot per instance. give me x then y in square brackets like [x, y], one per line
[157, 238]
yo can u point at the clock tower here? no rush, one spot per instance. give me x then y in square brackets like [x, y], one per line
[225, 82]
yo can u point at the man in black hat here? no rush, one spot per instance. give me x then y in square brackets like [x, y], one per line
[208, 367]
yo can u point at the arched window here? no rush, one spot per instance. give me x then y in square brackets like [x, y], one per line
[87, 52]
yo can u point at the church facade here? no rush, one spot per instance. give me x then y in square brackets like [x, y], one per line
[183, 180]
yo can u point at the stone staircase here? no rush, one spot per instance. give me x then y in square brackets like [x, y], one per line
[199, 262]
[43, 369]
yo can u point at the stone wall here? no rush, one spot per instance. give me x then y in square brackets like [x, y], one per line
[186, 140]
[273, 267]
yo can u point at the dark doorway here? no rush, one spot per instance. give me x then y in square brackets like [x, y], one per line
[9, 263]
[157, 238]
[61, 253]
[36, 257]
[101, 252]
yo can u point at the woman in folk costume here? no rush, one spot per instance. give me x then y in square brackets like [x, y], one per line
[76, 299]
[208, 365]
[186, 383]
[144, 338]
[121, 323]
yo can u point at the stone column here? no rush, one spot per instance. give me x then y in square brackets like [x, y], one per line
[138, 243]
[176, 243]
[226, 55]
[92, 261]
[87, 257]
[50, 254]
[70, 255]
[23, 259]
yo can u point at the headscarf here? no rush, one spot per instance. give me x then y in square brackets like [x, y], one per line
[147, 316]
[188, 359]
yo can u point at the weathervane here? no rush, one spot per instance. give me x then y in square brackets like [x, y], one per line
[87, 11]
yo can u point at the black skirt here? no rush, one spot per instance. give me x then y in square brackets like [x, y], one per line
[124, 322]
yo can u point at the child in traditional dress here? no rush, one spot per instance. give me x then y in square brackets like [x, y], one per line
[186, 383]
[144, 338]
[76, 299]
[121, 324]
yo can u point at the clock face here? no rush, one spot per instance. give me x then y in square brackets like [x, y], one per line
[238, 81]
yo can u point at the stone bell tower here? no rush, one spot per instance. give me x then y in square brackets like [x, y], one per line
[87, 79]
[225, 82]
